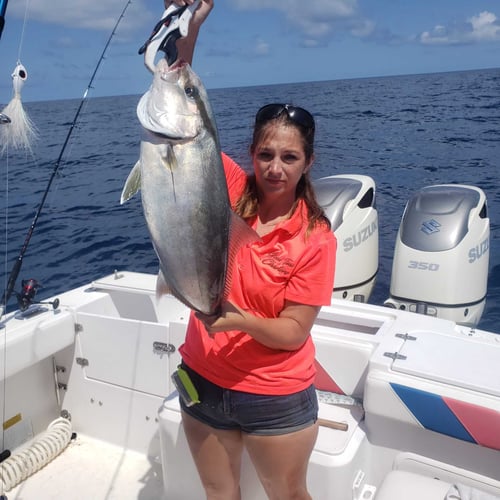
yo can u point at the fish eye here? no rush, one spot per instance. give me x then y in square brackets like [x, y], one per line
[191, 92]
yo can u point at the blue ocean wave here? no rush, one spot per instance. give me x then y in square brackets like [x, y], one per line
[406, 132]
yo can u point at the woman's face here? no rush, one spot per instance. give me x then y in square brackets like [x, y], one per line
[279, 160]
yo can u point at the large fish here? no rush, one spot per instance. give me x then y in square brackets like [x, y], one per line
[184, 191]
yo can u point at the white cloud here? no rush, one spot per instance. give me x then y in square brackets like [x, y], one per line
[363, 29]
[300, 8]
[437, 36]
[261, 48]
[316, 19]
[483, 27]
[88, 14]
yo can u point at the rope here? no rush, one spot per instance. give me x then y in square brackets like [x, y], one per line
[44, 449]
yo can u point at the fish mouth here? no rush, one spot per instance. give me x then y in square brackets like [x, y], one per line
[170, 73]
[176, 66]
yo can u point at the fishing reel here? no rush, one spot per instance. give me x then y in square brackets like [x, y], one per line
[27, 296]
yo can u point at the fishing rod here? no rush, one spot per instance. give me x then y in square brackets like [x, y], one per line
[3, 8]
[27, 298]
[4, 119]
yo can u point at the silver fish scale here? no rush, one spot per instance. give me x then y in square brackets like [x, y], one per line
[186, 205]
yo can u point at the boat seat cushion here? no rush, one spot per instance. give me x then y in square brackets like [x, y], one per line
[402, 485]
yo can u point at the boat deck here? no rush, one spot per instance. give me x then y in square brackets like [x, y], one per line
[92, 469]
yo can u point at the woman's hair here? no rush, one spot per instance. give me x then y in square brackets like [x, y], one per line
[247, 205]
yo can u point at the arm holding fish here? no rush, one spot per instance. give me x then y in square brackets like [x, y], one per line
[186, 45]
[287, 332]
[290, 329]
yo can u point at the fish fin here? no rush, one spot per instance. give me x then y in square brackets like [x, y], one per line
[162, 304]
[163, 289]
[240, 234]
[170, 158]
[161, 286]
[132, 184]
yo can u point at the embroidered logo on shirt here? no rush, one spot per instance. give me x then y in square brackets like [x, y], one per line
[281, 264]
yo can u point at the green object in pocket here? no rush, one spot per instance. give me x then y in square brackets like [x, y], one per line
[185, 387]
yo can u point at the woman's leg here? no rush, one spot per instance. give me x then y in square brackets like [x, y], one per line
[281, 462]
[217, 455]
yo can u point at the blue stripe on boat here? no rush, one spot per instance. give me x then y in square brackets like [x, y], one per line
[432, 412]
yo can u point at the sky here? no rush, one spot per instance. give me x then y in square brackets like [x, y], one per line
[245, 42]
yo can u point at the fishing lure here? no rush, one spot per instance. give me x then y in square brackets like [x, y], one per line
[19, 132]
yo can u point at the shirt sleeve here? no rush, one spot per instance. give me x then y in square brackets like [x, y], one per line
[236, 178]
[311, 282]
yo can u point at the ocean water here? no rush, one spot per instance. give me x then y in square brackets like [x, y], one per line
[406, 132]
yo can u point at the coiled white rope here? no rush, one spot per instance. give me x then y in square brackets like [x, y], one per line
[39, 453]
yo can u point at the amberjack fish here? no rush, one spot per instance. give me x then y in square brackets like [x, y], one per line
[184, 191]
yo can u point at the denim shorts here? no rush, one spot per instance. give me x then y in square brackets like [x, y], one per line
[260, 414]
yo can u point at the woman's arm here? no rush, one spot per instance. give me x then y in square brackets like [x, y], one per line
[185, 46]
[287, 332]
[313, 279]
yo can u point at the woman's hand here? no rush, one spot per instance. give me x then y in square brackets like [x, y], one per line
[201, 12]
[287, 332]
[186, 45]
[229, 318]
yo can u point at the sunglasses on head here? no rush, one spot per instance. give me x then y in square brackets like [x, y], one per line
[298, 115]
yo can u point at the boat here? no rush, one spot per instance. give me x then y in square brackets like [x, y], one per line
[408, 390]
[409, 399]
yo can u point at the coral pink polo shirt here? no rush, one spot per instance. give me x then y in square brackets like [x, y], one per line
[283, 265]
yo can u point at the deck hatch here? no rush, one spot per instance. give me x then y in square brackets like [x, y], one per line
[458, 361]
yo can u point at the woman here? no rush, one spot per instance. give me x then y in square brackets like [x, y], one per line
[253, 365]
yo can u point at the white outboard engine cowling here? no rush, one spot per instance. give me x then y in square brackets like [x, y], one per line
[349, 203]
[441, 257]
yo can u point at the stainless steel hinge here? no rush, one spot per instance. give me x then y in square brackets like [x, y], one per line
[394, 355]
[405, 336]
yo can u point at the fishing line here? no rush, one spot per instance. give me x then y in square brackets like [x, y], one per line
[3, 9]
[17, 265]
[4, 344]
[23, 30]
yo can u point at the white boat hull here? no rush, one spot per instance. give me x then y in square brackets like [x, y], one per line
[429, 389]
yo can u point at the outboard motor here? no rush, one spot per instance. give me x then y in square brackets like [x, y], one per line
[441, 257]
[349, 203]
